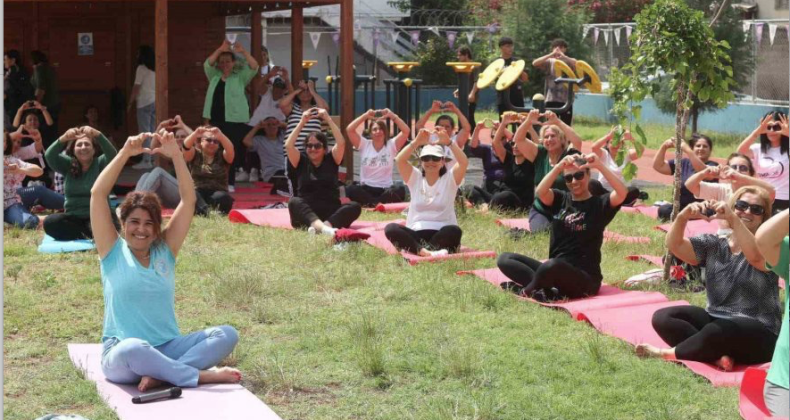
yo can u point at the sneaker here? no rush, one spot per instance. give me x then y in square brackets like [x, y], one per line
[510, 286]
[231, 188]
[254, 175]
[311, 230]
[144, 164]
[242, 176]
[350, 235]
[538, 295]
[644, 196]
[651, 277]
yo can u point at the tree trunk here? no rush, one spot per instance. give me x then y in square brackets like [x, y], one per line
[694, 118]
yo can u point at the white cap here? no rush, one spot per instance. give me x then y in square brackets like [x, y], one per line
[432, 150]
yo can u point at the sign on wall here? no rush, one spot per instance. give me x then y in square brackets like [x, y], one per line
[85, 43]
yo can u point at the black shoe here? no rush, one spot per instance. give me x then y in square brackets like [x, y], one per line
[510, 286]
[643, 195]
[539, 295]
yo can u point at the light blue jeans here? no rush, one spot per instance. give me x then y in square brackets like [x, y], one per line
[178, 361]
[162, 184]
[146, 123]
[20, 217]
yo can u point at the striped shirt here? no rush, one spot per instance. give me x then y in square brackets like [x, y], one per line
[312, 126]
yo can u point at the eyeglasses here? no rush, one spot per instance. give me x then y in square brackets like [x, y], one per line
[744, 169]
[577, 176]
[430, 158]
[754, 209]
[775, 127]
[316, 146]
[210, 141]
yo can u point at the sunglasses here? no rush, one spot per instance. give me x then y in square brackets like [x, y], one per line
[744, 169]
[210, 141]
[430, 158]
[754, 209]
[577, 176]
[775, 127]
[316, 146]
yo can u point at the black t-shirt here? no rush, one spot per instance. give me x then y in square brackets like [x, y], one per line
[317, 184]
[686, 171]
[577, 230]
[218, 104]
[516, 94]
[520, 178]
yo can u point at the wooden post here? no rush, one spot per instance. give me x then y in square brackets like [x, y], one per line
[297, 43]
[256, 42]
[160, 31]
[347, 78]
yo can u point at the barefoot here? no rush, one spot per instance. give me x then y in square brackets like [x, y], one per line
[725, 363]
[147, 383]
[224, 375]
[483, 208]
[424, 253]
[646, 350]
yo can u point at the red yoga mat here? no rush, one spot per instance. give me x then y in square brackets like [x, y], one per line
[280, 218]
[633, 324]
[607, 297]
[380, 241]
[391, 207]
[206, 402]
[608, 236]
[694, 227]
[649, 211]
[751, 402]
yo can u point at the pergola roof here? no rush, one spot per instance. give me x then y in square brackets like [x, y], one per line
[230, 7]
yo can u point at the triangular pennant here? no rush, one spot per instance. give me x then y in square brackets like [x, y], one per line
[336, 38]
[376, 37]
[469, 37]
[585, 31]
[451, 38]
[772, 32]
[394, 36]
[628, 30]
[315, 37]
[758, 33]
[746, 26]
[606, 36]
[596, 32]
[435, 30]
[492, 28]
[617, 35]
[415, 37]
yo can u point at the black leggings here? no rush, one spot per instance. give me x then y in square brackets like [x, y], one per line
[303, 214]
[67, 227]
[596, 188]
[235, 132]
[207, 199]
[369, 196]
[505, 200]
[535, 275]
[698, 336]
[448, 237]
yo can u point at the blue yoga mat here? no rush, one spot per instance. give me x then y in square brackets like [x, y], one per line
[51, 246]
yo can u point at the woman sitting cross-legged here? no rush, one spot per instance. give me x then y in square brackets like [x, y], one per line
[14, 171]
[493, 170]
[741, 321]
[431, 226]
[140, 339]
[579, 219]
[81, 165]
[377, 157]
[161, 180]
[209, 168]
[608, 152]
[317, 205]
[32, 195]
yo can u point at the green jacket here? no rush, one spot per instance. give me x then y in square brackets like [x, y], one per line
[237, 109]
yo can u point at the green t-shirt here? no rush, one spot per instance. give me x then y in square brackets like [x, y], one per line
[778, 374]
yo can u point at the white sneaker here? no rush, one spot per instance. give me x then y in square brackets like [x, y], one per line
[144, 164]
[254, 175]
[651, 277]
[242, 176]
[231, 188]
[311, 230]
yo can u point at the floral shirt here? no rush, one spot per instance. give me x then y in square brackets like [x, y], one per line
[12, 182]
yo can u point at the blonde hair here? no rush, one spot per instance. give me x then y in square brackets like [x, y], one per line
[557, 130]
[767, 203]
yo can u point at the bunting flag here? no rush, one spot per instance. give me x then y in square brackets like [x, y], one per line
[585, 31]
[357, 29]
[469, 37]
[628, 30]
[451, 38]
[376, 37]
[772, 32]
[746, 26]
[758, 33]
[315, 37]
[606, 36]
[394, 36]
[336, 38]
[492, 28]
[617, 35]
[435, 30]
[415, 37]
[596, 32]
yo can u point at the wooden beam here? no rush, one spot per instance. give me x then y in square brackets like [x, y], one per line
[347, 78]
[256, 42]
[297, 43]
[160, 31]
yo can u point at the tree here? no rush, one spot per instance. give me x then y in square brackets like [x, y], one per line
[673, 40]
[728, 28]
[610, 11]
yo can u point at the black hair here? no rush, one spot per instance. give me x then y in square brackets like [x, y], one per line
[559, 42]
[76, 167]
[742, 156]
[696, 137]
[320, 136]
[446, 117]
[465, 50]
[229, 54]
[15, 55]
[27, 112]
[505, 40]
[146, 57]
[765, 143]
[7, 143]
[38, 57]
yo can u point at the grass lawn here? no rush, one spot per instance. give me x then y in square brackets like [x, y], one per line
[357, 334]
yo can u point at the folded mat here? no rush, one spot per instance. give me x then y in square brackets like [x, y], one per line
[652, 259]
[751, 402]
[649, 211]
[391, 207]
[608, 236]
[694, 227]
[633, 324]
[209, 402]
[379, 240]
[50, 246]
[280, 218]
[607, 297]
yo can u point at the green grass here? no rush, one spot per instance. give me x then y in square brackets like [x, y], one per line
[357, 334]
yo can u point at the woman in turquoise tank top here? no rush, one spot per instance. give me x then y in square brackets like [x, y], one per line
[141, 340]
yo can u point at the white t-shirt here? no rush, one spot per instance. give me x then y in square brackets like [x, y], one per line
[375, 168]
[772, 167]
[147, 81]
[431, 207]
[267, 107]
[29, 152]
[714, 191]
[610, 163]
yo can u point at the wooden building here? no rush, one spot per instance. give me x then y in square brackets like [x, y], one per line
[183, 33]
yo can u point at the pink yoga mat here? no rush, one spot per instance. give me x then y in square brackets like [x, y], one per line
[391, 207]
[608, 236]
[206, 402]
[694, 227]
[633, 324]
[280, 218]
[649, 211]
[607, 297]
[751, 402]
[379, 240]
